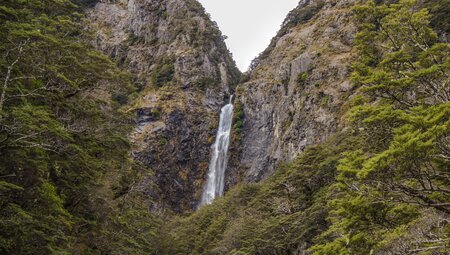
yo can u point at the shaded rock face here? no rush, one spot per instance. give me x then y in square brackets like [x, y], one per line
[294, 97]
[297, 89]
[184, 73]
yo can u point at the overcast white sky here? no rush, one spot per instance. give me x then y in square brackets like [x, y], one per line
[249, 24]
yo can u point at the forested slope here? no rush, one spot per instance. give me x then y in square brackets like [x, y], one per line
[378, 186]
[63, 141]
[354, 121]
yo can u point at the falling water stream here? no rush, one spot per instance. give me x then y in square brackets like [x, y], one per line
[216, 174]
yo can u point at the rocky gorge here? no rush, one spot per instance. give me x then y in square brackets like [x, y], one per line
[179, 59]
[300, 101]
[127, 129]
[284, 109]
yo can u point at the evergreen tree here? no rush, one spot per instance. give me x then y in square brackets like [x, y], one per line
[402, 115]
[62, 137]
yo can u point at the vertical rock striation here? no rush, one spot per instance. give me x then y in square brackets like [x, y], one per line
[292, 99]
[296, 88]
[183, 72]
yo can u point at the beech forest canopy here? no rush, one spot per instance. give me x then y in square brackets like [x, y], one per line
[66, 174]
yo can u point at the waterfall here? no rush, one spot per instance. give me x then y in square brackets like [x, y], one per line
[216, 174]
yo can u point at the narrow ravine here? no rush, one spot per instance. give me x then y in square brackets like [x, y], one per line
[218, 164]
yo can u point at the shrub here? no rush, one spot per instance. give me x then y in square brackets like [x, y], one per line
[120, 98]
[163, 73]
[204, 83]
[302, 78]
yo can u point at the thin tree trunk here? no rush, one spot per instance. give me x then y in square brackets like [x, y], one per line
[8, 76]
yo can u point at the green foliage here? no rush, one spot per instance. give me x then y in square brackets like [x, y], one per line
[363, 191]
[163, 73]
[271, 217]
[302, 78]
[439, 19]
[133, 229]
[162, 141]
[400, 55]
[120, 98]
[413, 115]
[238, 117]
[156, 113]
[67, 185]
[61, 136]
[404, 121]
[300, 15]
[204, 82]
[324, 99]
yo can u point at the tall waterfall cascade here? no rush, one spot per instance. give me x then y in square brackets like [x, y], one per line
[216, 175]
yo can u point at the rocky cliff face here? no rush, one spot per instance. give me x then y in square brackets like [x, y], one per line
[296, 90]
[184, 74]
[295, 94]
[293, 97]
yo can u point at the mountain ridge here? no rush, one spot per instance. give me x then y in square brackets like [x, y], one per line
[185, 71]
[339, 140]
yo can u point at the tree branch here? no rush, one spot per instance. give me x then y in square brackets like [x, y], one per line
[8, 74]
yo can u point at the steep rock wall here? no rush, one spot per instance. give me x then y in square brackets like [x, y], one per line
[296, 89]
[184, 74]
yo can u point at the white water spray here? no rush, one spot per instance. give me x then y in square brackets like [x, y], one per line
[217, 166]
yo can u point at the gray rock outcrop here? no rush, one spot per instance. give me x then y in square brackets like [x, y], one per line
[184, 74]
[297, 88]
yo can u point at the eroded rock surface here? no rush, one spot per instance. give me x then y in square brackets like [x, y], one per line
[296, 88]
[184, 73]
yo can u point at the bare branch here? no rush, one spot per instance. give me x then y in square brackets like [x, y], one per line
[8, 74]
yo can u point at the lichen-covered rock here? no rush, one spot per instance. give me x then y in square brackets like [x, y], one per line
[184, 73]
[296, 88]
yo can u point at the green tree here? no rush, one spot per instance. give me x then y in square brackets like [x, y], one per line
[405, 81]
[60, 139]
[403, 114]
